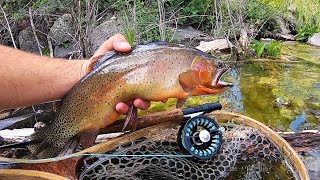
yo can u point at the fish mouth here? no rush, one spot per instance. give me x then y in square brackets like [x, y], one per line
[217, 83]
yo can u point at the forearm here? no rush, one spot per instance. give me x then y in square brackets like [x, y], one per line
[28, 79]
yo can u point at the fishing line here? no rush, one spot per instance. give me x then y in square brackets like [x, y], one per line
[100, 155]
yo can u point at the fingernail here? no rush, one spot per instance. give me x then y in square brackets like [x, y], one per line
[124, 45]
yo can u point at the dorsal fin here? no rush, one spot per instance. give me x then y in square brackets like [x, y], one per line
[104, 58]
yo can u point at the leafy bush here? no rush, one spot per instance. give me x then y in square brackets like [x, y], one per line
[269, 49]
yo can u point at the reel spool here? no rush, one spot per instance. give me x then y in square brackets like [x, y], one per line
[201, 137]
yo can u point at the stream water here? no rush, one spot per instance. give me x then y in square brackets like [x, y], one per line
[283, 96]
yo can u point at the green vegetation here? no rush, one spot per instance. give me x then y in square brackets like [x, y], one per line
[144, 22]
[270, 49]
[308, 21]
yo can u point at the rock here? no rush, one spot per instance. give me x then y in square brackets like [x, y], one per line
[39, 125]
[314, 40]
[280, 102]
[244, 39]
[62, 30]
[292, 8]
[286, 36]
[102, 32]
[66, 50]
[282, 25]
[27, 41]
[190, 36]
[291, 19]
[291, 43]
[218, 44]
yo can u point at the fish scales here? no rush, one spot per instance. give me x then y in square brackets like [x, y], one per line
[151, 72]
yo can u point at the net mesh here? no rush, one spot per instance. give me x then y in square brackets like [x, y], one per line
[240, 145]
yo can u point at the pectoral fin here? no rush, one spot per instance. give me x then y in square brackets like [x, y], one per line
[180, 103]
[132, 116]
[201, 90]
[188, 80]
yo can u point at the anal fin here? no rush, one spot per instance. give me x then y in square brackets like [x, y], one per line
[131, 117]
[87, 138]
[70, 146]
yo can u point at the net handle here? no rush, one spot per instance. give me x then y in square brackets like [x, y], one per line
[224, 116]
[28, 174]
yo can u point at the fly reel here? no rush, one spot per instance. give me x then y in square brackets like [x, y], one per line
[200, 136]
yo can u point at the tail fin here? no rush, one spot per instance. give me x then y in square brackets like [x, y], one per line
[46, 143]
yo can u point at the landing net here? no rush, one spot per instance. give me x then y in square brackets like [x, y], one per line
[245, 153]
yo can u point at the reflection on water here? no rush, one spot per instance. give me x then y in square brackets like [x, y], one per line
[233, 96]
[260, 169]
[298, 122]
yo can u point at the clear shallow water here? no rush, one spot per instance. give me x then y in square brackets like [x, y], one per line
[283, 96]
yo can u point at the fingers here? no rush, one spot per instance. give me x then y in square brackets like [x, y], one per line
[123, 108]
[117, 42]
[141, 104]
[120, 43]
[164, 101]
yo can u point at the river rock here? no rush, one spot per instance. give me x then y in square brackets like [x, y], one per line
[102, 32]
[27, 41]
[66, 50]
[282, 25]
[215, 45]
[62, 30]
[190, 36]
[286, 37]
[315, 40]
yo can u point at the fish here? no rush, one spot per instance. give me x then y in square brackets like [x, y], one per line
[153, 72]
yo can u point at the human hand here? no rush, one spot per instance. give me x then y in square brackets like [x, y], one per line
[119, 43]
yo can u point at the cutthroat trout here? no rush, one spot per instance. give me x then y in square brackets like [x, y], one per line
[152, 72]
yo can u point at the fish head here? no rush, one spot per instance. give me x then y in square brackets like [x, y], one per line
[210, 72]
